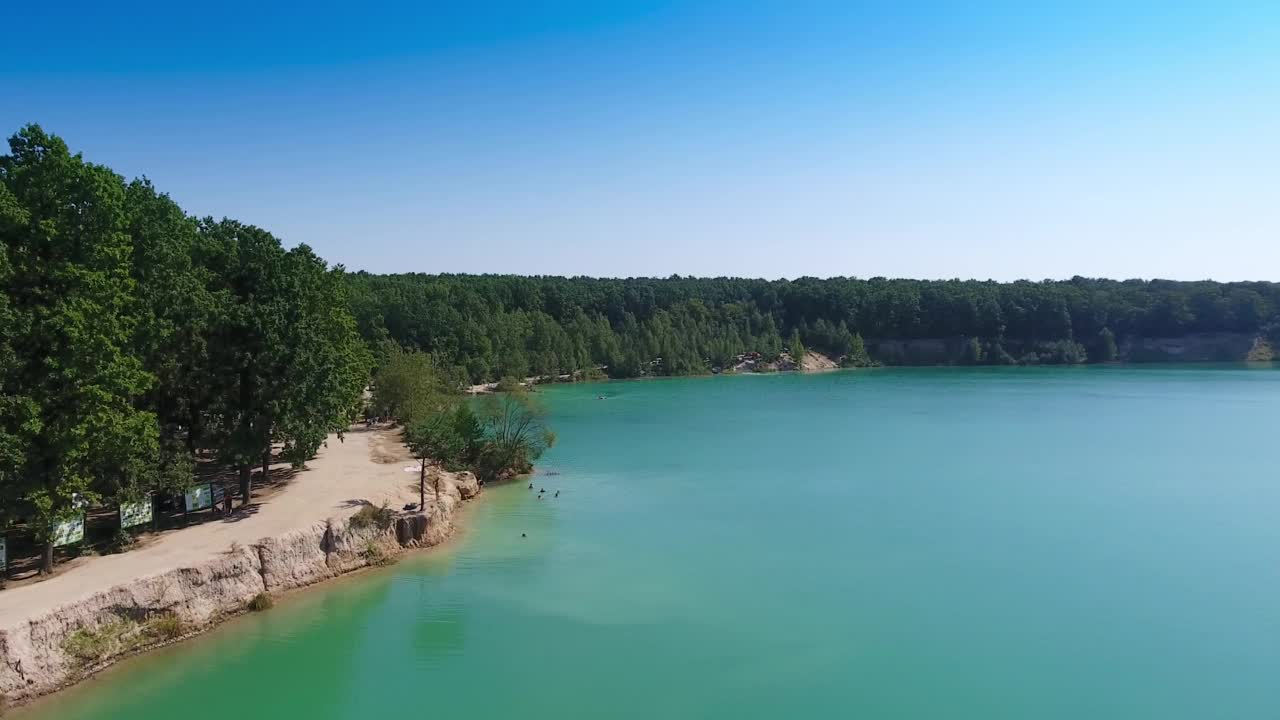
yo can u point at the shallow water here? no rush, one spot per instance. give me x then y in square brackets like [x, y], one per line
[925, 543]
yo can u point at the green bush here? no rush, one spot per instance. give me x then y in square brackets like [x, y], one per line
[374, 553]
[121, 541]
[166, 627]
[88, 645]
[373, 516]
[261, 601]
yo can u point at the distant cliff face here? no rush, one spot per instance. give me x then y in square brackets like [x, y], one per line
[39, 655]
[1198, 347]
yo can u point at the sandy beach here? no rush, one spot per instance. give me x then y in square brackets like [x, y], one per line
[368, 465]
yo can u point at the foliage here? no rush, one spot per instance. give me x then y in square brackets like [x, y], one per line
[369, 516]
[856, 355]
[515, 434]
[121, 541]
[88, 646]
[133, 336]
[91, 645]
[376, 555]
[492, 326]
[261, 601]
[796, 347]
[452, 436]
[165, 627]
[1106, 345]
[68, 421]
[409, 385]
[973, 352]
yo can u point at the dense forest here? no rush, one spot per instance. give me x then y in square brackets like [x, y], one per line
[134, 339]
[491, 326]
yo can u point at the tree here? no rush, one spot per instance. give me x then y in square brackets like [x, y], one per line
[67, 409]
[973, 354]
[1106, 345]
[288, 359]
[175, 311]
[325, 368]
[247, 263]
[408, 385]
[516, 434]
[857, 355]
[796, 348]
[434, 435]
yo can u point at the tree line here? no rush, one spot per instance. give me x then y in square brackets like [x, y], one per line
[134, 337]
[490, 326]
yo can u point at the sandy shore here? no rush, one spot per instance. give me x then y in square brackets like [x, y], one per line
[367, 466]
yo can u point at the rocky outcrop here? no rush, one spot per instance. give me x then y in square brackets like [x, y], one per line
[817, 362]
[63, 645]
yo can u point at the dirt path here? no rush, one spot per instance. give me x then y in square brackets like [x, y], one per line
[368, 466]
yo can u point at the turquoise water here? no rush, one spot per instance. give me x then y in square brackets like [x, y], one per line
[988, 543]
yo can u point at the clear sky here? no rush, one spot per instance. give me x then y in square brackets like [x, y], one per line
[905, 139]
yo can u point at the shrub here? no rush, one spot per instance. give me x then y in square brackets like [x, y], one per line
[85, 645]
[373, 516]
[167, 627]
[261, 601]
[508, 384]
[374, 553]
[90, 645]
[121, 541]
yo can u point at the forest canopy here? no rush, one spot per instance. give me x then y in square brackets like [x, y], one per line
[134, 337]
[492, 326]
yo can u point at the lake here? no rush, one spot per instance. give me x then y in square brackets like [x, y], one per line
[1098, 542]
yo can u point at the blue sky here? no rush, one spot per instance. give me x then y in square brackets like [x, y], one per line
[929, 139]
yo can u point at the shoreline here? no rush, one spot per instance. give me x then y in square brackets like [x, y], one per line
[1171, 364]
[50, 648]
[227, 623]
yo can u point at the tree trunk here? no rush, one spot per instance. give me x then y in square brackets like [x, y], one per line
[422, 487]
[246, 483]
[266, 464]
[46, 558]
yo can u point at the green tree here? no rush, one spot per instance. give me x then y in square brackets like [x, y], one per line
[324, 367]
[973, 354]
[857, 355]
[436, 435]
[409, 385]
[289, 364]
[796, 347]
[68, 401]
[1106, 345]
[516, 434]
[175, 311]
